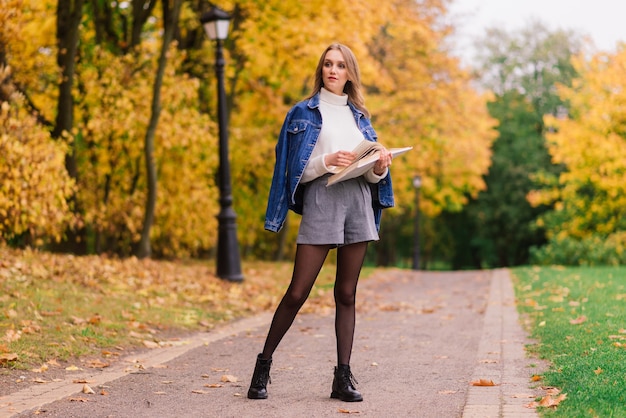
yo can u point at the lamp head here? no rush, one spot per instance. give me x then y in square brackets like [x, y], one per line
[215, 23]
[417, 181]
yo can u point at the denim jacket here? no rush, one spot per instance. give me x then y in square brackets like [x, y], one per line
[295, 144]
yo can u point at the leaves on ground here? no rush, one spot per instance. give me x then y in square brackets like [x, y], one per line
[483, 382]
[548, 401]
[87, 389]
[580, 320]
[229, 378]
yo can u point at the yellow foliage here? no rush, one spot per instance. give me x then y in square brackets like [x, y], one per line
[592, 146]
[35, 185]
[418, 96]
[27, 35]
[112, 118]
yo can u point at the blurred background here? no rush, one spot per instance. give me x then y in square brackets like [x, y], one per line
[110, 125]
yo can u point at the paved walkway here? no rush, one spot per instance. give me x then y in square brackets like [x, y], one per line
[422, 338]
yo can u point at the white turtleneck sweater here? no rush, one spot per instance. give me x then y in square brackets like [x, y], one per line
[339, 132]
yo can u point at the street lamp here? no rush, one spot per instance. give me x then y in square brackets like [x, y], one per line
[215, 23]
[417, 183]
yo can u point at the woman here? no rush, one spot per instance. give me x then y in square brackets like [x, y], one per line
[316, 139]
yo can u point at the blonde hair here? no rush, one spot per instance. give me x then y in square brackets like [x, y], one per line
[353, 86]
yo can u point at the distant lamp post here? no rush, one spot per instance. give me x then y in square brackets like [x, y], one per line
[215, 23]
[417, 183]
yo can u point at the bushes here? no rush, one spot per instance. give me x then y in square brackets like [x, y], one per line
[595, 250]
[35, 186]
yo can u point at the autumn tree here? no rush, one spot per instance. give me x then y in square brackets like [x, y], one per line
[417, 93]
[418, 96]
[523, 69]
[170, 22]
[588, 217]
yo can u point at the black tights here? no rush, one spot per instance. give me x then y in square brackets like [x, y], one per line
[307, 265]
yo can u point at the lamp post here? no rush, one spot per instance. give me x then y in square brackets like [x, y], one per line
[215, 23]
[417, 183]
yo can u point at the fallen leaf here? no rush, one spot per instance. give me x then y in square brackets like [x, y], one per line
[72, 368]
[201, 392]
[53, 363]
[82, 381]
[347, 411]
[580, 320]
[229, 378]
[489, 361]
[535, 378]
[548, 401]
[160, 393]
[39, 380]
[150, 344]
[79, 400]
[11, 335]
[447, 392]
[88, 390]
[551, 390]
[598, 370]
[104, 392]
[213, 385]
[43, 368]
[97, 364]
[483, 382]
[7, 357]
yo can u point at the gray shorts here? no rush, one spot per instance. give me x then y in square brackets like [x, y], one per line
[338, 215]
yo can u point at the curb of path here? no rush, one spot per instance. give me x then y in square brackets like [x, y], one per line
[501, 358]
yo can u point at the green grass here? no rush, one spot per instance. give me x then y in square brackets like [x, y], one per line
[578, 317]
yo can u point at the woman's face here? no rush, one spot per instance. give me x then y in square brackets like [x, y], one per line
[334, 72]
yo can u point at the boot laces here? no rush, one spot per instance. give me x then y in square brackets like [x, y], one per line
[263, 378]
[348, 378]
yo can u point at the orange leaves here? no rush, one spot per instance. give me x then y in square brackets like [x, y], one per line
[580, 320]
[36, 186]
[551, 400]
[7, 357]
[483, 382]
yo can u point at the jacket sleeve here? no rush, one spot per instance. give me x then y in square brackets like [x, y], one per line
[278, 200]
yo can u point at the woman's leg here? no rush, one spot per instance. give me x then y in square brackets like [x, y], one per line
[307, 265]
[349, 262]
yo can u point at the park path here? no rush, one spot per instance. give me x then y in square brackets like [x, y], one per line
[422, 338]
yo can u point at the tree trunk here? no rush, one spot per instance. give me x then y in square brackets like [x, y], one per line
[69, 16]
[171, 11]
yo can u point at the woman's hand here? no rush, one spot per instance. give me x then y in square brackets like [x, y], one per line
[339, 159]
[384, 161]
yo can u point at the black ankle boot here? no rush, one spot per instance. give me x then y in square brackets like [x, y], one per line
[343, 385]
[260, 379]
